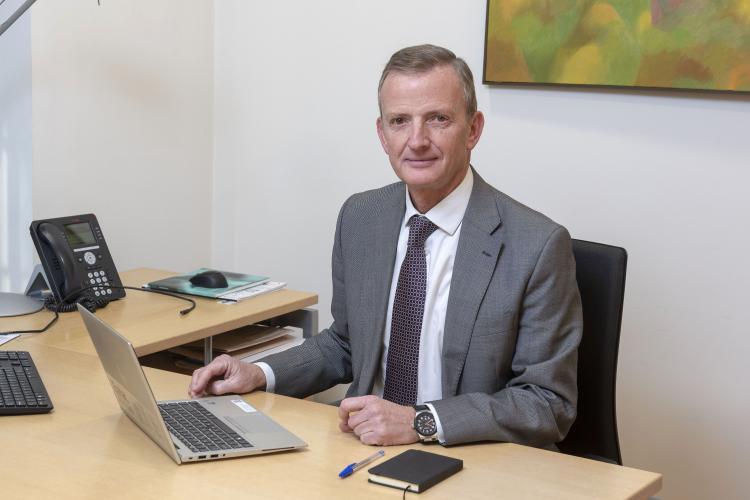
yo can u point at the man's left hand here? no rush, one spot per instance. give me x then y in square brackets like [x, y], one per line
[377, 421]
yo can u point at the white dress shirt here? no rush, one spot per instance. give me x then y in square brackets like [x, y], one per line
[440, 252]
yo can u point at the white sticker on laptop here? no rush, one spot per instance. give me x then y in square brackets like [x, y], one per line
[244, 406]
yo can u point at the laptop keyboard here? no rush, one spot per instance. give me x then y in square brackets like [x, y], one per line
[21, 389]
[198, 428]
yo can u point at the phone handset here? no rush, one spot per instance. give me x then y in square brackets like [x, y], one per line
[60, 260]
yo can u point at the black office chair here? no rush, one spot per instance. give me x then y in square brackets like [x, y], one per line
[600, 270]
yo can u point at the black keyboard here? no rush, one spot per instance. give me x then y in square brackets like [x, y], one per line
[198, 428]
[21, 389]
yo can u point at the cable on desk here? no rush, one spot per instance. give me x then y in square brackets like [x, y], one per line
[93, 304]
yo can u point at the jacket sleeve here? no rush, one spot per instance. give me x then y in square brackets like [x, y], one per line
[538, 404]
[323, 360]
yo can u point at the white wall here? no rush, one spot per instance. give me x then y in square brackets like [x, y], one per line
[16, 254]
[122, 123]
[663, 174]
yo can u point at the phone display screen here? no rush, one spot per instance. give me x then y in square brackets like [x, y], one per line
[79, 234]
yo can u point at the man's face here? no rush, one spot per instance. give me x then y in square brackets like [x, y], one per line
[425, 130]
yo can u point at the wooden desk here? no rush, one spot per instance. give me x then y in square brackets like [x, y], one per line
[152, 321]
[86, 448]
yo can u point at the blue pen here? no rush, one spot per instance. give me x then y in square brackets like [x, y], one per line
[352, 468]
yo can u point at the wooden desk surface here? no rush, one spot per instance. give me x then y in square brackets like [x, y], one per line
[86, 448]
[152, 321]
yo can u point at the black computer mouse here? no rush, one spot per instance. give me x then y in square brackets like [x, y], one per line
[209, 279]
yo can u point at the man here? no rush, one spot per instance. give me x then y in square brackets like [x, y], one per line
[456, 311]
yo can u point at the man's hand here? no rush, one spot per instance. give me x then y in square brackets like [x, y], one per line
[226, 374]
[377, 421]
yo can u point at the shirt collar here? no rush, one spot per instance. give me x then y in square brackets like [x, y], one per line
[449, 212]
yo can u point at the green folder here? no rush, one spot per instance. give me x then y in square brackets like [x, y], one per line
[181, 284]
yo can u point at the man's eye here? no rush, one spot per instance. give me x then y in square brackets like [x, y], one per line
[399, 120]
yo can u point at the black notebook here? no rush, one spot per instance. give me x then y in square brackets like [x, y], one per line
[415, 468]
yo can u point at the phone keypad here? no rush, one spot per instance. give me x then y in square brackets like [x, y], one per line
[101, 283]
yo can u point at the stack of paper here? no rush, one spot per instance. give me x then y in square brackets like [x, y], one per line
[250, 342]
[232, 297]
[8, 337]
[281, 346]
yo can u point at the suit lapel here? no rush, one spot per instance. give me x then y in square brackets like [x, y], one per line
[380, 262]
[479, 248]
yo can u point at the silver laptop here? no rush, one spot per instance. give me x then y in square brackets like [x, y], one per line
[187, 430]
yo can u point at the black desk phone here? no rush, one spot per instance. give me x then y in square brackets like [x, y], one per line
[75, 258]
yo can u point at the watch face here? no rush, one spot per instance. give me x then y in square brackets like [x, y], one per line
[425, 424]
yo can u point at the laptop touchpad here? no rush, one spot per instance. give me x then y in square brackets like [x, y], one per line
[253, 424]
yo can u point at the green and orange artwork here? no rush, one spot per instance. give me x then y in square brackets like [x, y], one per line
[685, 44]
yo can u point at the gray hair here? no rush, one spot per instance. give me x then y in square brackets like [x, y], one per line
[423, 58]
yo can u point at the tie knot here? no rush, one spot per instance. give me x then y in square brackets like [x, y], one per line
[420, 228]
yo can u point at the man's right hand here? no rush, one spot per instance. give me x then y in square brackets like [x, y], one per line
[224, 375]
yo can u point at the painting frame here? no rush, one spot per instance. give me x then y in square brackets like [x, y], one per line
[511, 76]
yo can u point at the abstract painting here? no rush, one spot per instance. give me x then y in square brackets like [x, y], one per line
[682, 44]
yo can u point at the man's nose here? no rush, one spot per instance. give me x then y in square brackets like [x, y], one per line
[419, 137]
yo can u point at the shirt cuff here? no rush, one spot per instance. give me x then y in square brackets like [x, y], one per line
[440, 435]
[270, 377]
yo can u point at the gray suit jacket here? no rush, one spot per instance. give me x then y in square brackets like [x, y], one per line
[513, 320]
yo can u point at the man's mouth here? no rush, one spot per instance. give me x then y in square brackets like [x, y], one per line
[420, 162]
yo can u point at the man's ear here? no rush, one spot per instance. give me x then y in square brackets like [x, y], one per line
[381, 134]
[475, 130]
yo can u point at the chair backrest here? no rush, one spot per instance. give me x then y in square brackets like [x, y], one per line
[600, 271]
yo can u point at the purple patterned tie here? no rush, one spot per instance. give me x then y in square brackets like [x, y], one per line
[406, 321]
